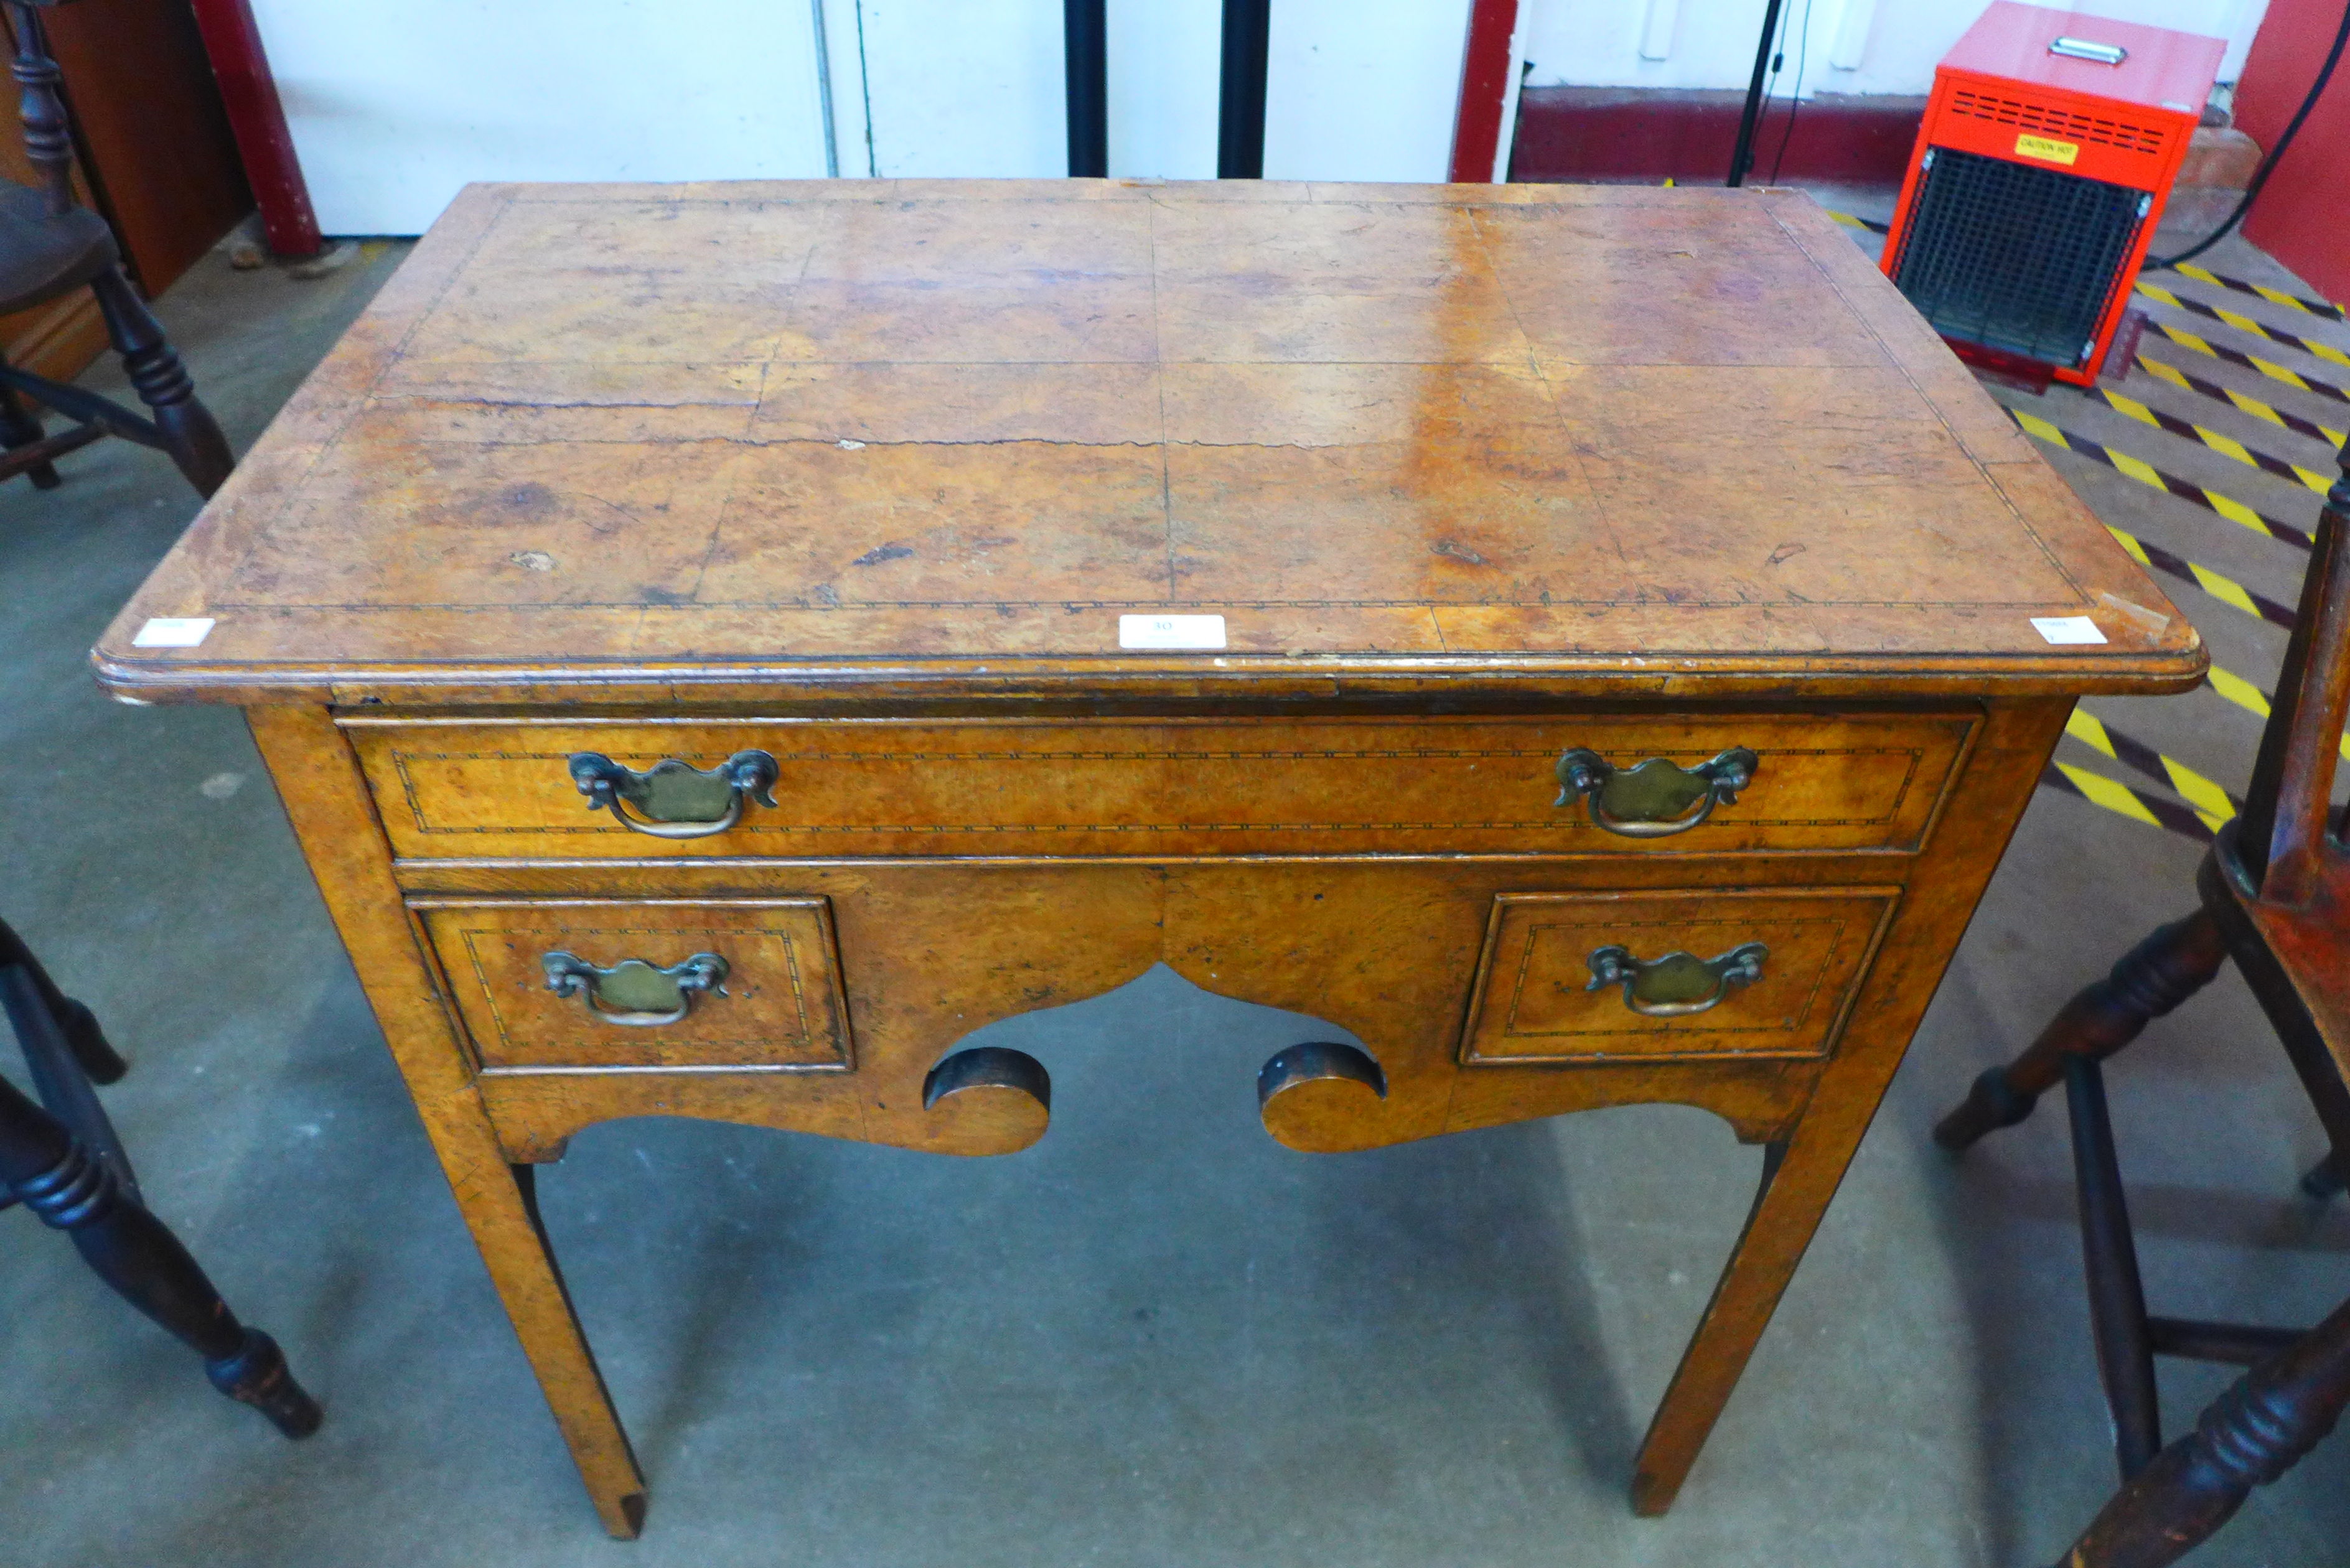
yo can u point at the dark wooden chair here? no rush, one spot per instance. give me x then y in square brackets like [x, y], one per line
[2276, 898]
[66, 1164]
[50, 245]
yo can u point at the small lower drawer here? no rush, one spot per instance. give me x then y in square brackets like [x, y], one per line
[592, 985]
[1583, 977]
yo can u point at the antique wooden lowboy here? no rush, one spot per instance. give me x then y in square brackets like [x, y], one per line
[719, 645]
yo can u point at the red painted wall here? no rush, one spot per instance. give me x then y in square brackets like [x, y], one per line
[2302, 217]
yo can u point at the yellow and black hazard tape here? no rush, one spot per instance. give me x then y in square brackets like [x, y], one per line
[2250, 697]
[2325, 308]
[1850, 222]
[2225, 445]
[2146, 474]
[2207, 805]
[2211, 803]
[2274, 372]
[2119, 797]
[2238, 690]
[2283, 418]
[2244, 323]
[2227, 590]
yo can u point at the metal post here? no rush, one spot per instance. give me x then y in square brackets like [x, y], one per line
[1085, 32]
[1743, 159]
[824, 91]
[1240, 116]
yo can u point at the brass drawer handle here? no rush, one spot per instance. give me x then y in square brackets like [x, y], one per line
[677, 799]
[1677, 984]
[633, 992]
[1652, 800]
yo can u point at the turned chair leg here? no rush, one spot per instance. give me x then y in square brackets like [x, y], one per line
[190, 433]
[2324, 1180]
[48, 1169]
[19, 427]
[83, 1037]
[2117, 1319]
[2165, 969]
[83, 1187]
[2249, 1436]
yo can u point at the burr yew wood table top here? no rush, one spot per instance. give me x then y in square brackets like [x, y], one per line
[747, 437]
[720, 645]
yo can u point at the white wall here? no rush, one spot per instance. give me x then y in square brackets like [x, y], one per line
[1854, 46]
[394, 107]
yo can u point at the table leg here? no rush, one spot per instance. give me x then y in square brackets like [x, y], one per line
[501, 1207]
[325, 797]
[1799, 1176]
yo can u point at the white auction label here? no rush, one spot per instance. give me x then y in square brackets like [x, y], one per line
[169, 631]
[2065, 628]
[1170, 631]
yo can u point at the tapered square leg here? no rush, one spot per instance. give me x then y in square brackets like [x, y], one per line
[326, 799]
[1799, 1177]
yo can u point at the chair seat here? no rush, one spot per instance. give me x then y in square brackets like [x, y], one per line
[44, 255]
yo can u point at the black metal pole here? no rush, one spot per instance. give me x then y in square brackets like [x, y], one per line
[1743, 159]
[1240, 114]
[1085, 34]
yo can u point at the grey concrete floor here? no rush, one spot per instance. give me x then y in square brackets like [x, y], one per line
[1157, 1338]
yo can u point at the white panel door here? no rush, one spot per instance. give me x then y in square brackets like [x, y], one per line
[394, 107]
[1355, 90]
[1363, 89]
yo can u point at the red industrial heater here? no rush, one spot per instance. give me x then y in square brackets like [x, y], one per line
[2049, 147]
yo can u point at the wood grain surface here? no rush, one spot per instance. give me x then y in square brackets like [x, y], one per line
[641, 439]
[1830, 781]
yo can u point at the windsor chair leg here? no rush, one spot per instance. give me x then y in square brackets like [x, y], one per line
[2109, 1260]
[58, 1073]
[2165, 969]
[190, 433]
[2249, 1436]
[83, 1037]
[18, 427]
[2324, 1180]
[50, 1171]
[65, 1165]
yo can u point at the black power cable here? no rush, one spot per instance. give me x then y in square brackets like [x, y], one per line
[2260, 174]
[1795, 102]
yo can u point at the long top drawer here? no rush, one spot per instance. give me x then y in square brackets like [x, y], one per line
[1575, 784]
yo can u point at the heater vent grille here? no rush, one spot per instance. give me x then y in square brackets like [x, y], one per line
[2070, 124]
[2015, 258]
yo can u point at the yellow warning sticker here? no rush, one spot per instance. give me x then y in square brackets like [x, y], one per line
[2054, 151]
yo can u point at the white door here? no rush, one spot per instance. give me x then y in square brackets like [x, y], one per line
[1356, 89]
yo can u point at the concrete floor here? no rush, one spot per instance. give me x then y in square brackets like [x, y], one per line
[1157, 1338]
